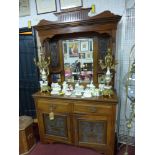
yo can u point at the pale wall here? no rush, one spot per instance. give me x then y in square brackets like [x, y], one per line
[115, 6]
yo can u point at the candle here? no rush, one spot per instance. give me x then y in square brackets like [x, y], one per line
[93, 8]
[29, 24]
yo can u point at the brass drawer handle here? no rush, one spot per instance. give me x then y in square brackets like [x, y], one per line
[51, 114]
[93, 109]
[52, 107]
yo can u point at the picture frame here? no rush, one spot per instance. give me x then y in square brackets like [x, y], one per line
[69, 4]
[89, 55]
[45, 6]
[24, 8]
[73, 48]
[65, 48]
[82, 55]
[90, 45]
[84, 46]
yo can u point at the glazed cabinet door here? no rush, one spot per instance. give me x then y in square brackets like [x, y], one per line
[93, 131]
[57, 129]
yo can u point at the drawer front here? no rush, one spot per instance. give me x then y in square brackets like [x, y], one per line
[54, 105]
[92, 108]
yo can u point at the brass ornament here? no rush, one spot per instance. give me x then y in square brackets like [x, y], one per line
[43, 64]
[108, 61]
[108, 64]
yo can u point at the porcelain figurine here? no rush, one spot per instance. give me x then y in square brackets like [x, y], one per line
[87, 93]
[108, 79]
[56, 88]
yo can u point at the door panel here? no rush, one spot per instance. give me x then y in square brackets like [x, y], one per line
[92, 131]
[58, 129]
[28, 74]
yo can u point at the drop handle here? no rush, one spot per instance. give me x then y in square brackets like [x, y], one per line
[93, 109]
[52, 107]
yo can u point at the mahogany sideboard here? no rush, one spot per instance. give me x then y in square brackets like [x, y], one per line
[84, 122]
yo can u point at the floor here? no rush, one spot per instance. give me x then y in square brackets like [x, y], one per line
[63, 149]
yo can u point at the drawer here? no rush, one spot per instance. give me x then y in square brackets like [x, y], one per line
[54, 105]
[92, 108]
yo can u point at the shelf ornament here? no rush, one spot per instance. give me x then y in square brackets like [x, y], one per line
[43, 64]
[108, 64]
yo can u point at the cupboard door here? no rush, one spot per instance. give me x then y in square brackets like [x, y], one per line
[93, 131]
[57, 129]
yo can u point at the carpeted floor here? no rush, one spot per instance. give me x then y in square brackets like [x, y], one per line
[62, 149]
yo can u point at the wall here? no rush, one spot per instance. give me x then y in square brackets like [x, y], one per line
[129, 3]
[115, 6]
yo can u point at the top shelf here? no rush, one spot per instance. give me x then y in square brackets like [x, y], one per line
[108, 100]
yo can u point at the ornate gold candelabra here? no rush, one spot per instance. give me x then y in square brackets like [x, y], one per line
[43, 64]
[108, 64]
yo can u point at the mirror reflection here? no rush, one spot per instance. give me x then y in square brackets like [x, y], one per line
[78, 60]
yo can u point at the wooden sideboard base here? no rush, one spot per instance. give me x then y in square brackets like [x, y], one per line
[88, 122]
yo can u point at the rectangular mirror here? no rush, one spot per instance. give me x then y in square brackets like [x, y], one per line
[78, 59]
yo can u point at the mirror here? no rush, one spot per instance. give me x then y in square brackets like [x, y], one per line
[78, 59]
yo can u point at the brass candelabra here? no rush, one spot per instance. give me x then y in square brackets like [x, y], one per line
[43, 64]
[108, 64]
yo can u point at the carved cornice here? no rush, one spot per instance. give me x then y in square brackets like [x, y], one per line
[101, 23]
[102, 18]
[73, 15]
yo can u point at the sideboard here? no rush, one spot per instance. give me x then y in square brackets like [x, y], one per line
[84, 122]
